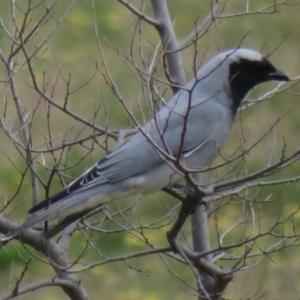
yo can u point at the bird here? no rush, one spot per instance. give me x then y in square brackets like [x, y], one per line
[184, 136]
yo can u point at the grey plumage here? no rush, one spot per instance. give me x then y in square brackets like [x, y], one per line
[186, 134]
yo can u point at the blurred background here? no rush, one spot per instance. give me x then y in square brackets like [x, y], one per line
[71, 64]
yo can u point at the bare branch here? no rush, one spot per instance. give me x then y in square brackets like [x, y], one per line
[139, 14]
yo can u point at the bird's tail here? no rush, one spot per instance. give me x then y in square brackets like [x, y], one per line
[33, 220]
[29, 223]
[52, 211]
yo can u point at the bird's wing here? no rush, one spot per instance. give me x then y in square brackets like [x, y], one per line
[126, 161]
[138, 154]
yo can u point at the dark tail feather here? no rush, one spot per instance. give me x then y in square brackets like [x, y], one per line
[64, 223]
[47, 202]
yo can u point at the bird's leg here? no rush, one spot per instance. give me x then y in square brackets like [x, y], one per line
[189, 205]
[45, 227]
[175, 191]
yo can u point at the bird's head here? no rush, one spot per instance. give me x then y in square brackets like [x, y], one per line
[240, 70]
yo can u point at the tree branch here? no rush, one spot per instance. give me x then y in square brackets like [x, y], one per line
[170, 43]
[55, 253]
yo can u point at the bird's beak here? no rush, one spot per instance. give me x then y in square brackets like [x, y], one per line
[278, 75]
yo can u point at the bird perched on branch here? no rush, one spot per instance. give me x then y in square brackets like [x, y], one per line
[184, 136]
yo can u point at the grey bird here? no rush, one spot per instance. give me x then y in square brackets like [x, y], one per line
[185, 135]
